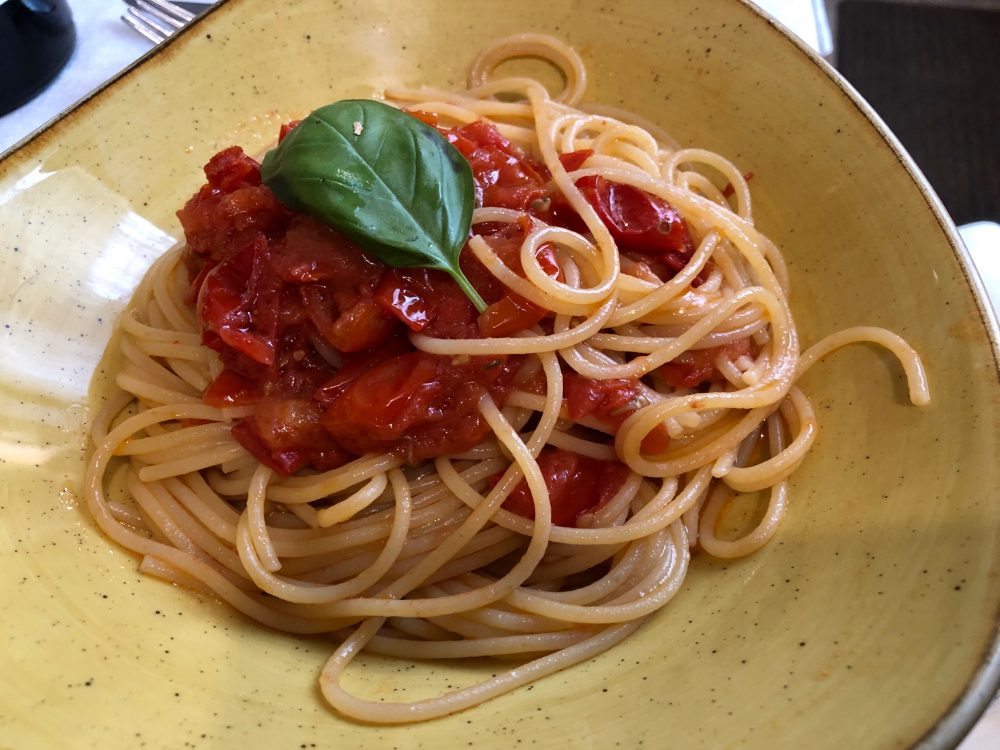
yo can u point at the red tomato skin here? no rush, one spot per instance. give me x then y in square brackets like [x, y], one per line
[287, 128]
[390, 397]
[231, 169]
[405, 296]
[612, 402]
[655, 441]
[360, 327]
[222, 217]
[573, 160]
[697, 366]
[230, 388]
[504, 176]
[576, 484]
[509, 315]
[638, 221]
[310, 251]
[428, 118]
[286, 443]
[416, 405]
[645, 227]
[237, 302]
[608, 399]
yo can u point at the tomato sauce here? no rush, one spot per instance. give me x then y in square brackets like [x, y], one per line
[697, 366]
[576, 484]
[312, 331]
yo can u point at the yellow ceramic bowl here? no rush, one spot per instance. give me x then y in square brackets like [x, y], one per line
[870, 621]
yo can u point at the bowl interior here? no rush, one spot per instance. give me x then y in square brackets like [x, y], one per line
[861, 624]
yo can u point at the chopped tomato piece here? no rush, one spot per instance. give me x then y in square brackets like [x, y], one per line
[284, 462]
[546, 257]
[311, 251]
[287, 128]
[510, 314]
[689, 369]
[406, 296]
[389, 398]
[231, 169]
[697, 366]
[416, 405]
[573, 160]
[639, 222]
[504, 175]
[610, 400]
[230, 388]
[656, 440]
[429, 118]
[356, 365]
[237, 302]
[222, 217]
[576, 484]
[361, 326]
[645, 227]
[429, 301]
[284, 434]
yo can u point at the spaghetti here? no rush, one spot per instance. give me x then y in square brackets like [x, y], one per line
[666, 378]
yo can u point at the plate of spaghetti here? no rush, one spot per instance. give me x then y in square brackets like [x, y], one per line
[494, 390]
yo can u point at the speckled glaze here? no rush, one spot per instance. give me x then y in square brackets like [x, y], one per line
[869, 622]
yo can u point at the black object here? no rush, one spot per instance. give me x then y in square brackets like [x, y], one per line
[36, 40]
[933, 74]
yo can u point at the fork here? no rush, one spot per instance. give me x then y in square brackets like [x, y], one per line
[155, 19]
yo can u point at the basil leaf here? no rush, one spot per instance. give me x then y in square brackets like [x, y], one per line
[388, 181]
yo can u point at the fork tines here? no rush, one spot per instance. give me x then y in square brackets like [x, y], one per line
[155, 19]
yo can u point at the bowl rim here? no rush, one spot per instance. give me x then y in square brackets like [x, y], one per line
[955, 721]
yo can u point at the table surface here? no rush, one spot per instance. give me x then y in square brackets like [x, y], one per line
[105, 46]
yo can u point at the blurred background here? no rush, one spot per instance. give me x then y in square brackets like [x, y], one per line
[932, 71]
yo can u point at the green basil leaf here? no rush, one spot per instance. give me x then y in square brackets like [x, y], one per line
[388, 181]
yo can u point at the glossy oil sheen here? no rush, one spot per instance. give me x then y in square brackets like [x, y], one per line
[868, 621]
